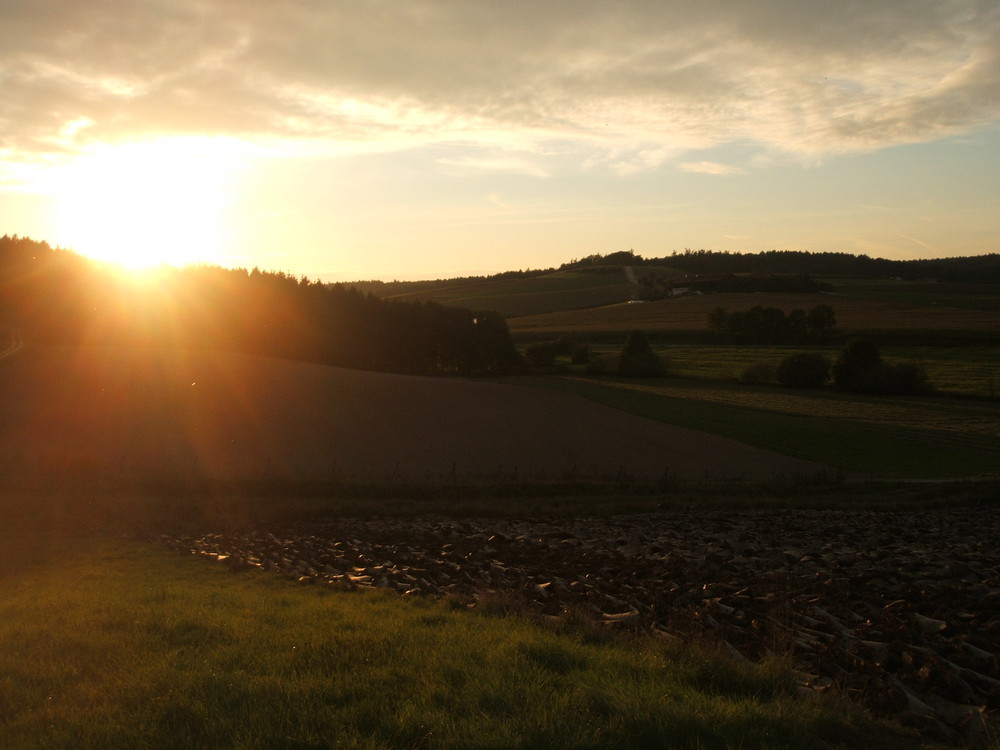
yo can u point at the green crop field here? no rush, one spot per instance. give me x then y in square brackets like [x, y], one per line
[969, 296]
[892, 437]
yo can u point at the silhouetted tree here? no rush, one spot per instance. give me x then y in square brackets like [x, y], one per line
[803, 370]
[59, 297]
[857, 357]
[637, 359]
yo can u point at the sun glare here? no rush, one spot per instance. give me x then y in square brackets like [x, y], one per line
[142, 205]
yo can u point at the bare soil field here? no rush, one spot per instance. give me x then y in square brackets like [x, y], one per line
[690, 313]
[86, 411]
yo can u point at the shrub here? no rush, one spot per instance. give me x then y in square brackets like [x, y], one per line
[541, 353]
[580, 356]
[857, 356]
[564, 346]
[636, 344]
[803, 370]
[759, 373]
[911, 379]
[901, 379]
[860, 368]
[606, 365]
[648, 365]
[637, 360]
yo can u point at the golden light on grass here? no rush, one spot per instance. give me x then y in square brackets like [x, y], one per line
[146, 204]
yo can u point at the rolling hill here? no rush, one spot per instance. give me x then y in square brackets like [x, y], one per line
[544, 292]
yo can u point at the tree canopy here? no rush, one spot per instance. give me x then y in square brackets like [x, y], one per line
[56, 296]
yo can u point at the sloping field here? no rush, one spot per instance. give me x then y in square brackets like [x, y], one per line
[108, 411]
[690, 313]
[911, 438]
[560, 290]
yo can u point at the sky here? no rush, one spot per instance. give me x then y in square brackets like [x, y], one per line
[361, 139]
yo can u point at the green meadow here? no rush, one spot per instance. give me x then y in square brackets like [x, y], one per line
[966, 371]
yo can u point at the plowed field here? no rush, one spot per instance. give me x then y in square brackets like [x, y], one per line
[108, 411]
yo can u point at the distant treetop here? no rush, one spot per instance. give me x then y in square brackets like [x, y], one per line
[974, 268]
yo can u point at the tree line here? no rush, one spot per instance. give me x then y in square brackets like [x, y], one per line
[859, 367]
[966, 269]
[56, 296]
[770, 325]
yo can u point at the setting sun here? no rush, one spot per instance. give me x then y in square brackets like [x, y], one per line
[147, 204]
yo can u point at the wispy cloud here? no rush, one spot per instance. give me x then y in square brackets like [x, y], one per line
[921, 243]
[510, 164]
[633, 82]
[711, 167]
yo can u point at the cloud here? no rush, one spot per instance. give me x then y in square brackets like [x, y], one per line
[710, 167]
[630, 84]
[510, 164]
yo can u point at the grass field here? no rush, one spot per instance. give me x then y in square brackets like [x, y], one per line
[962, 370]
[968, 296]
[124, 644]
[894, 437]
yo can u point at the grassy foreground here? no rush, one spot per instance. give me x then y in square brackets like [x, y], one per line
[123, 644]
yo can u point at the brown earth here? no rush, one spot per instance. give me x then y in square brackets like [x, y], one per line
[104, 410]
[691, 313]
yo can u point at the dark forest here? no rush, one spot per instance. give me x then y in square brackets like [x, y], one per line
[55, 296]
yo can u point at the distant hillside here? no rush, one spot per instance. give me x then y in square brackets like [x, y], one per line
[600, 280]
[521, 294]
[970, 269]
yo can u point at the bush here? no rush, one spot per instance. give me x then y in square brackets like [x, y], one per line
[759, 373]
[635, 345]
[857, 357]
[637, 360]
[580, 356]
[902, 379]
[803, 370]
[606, 365]
[541, 353]
[648, 365]
[564, 346]
[911, 379]
[860, 368]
